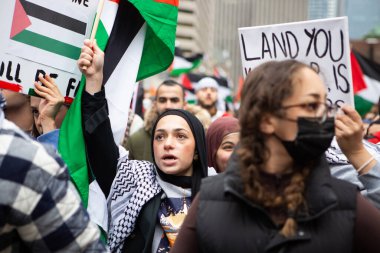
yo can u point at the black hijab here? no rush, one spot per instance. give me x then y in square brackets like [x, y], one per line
[199, 165]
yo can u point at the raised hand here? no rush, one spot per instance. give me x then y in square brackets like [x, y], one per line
[90, 63]
[50, 103]
[349, 131]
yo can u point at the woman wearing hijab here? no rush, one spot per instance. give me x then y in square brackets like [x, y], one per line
[221, 138]
[147, 201]
[277, 194]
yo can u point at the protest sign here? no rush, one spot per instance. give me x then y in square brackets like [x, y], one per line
[323, 44]
[43, 36]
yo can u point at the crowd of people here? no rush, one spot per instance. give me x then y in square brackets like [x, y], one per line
[287, 173]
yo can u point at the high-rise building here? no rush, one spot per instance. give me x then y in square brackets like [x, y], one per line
[218, 23]
[186, 35]
[211, 26]
[323, 9]
[219, 20]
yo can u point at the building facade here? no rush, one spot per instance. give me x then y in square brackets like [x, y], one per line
[186, 35]
[218, 22]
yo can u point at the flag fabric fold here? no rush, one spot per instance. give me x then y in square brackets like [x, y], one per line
[182, 64]
[366, 82]
[161, 19]
[72, 148]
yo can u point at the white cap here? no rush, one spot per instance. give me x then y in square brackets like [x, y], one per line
[206, 82]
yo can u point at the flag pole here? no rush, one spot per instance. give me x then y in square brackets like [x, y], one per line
[99, 11]
[97, 19]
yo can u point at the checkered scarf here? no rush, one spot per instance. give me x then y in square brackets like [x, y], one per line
[134, 185]
[334, 154]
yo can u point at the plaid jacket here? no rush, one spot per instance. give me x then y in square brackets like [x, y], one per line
[40, 210]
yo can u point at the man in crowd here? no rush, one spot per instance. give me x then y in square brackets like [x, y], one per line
[18, 110]
[48, 110]
[40, 210]
[207, 95]
[169, 95]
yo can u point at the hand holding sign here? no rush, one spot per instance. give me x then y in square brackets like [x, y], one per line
[349, 132]
[90, 63]
[50, 104]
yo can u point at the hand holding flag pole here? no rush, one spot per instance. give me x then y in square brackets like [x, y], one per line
[96, 23]
[97, 19]
[92, 58]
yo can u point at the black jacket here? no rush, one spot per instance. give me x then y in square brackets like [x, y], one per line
[225, 215]
[141, 238]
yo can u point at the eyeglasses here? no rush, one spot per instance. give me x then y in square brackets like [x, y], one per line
[321, 111]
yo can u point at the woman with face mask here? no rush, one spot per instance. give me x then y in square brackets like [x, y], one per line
[277, 194]
[221, 138]
[147, 201]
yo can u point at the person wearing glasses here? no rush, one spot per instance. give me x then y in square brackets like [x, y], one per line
[277, 194]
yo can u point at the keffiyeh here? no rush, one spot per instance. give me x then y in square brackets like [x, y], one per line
[137, 182]
[134, 185]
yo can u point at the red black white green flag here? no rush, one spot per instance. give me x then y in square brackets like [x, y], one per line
[138, 39]
[184, 64]
[366, 82]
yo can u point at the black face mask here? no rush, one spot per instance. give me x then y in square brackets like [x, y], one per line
[312, 140]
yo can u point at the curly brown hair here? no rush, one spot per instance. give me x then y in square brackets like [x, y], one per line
[265, 88]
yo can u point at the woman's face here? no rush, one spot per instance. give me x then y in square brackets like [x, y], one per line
[174, 146]
[309, 93]
[225, 150]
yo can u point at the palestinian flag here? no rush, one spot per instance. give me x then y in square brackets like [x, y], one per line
[366, 82]
[182, 64]
[138, 39]
[42, 31]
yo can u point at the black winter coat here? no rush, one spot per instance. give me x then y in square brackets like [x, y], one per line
[226, 216]
[141, 238]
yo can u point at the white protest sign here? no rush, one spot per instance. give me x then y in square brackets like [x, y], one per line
[323, 44]
[43, 36]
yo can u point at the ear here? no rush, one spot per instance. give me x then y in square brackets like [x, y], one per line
[268, 124]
